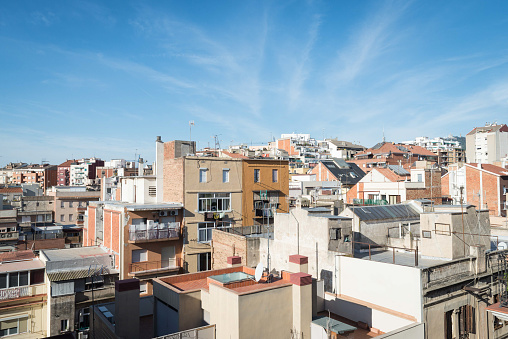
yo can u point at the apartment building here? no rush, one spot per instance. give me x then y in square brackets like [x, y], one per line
[70, 203]
[395, 184]
[210, 188]
[76, 278]
[450, 150]
[45, 175]
[63, 172]
[482, 185]
[83, 173]
[144, 236]
[219, 193]
[265, 190]
[343, 149]
[23, 307]
[487, 144]
[9, 233]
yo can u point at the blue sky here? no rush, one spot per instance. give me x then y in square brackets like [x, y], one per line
[79, 78]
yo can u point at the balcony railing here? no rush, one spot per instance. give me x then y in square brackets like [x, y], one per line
[155, 231]
[149, 266]
[369, 202]
[20, 292]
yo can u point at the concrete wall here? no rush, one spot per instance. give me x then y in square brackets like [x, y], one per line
[256, 322]
[60, 308]
[368, 292]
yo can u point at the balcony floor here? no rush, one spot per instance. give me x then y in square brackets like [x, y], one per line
[155, 271]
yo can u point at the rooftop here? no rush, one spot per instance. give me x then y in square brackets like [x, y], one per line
[67, 254]
[239, 279]
[401, 258]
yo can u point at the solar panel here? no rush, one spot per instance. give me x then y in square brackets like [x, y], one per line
[399, 170]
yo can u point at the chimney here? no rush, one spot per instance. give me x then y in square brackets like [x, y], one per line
[234, 261]
[127, 308]
[302, 303]
[298, 263]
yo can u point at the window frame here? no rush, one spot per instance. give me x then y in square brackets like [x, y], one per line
[275, 175]
[202, 175]
[257, 175]
[225, 175]
[208, 202]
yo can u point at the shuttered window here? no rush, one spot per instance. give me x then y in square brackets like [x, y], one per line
[62, 288]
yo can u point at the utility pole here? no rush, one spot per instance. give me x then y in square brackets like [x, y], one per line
[462, 214]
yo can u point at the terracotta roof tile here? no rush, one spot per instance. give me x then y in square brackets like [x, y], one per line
[11, 190]
[17, 255]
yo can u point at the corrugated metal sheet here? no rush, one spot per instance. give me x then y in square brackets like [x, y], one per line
[386, 212]
[74, 274]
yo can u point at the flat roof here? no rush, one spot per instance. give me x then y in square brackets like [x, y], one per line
[66, 254]
[140, 207]
[401, 258]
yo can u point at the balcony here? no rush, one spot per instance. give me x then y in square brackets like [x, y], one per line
[154, 231]
[151, 267]
[9, 235]
[22, 292]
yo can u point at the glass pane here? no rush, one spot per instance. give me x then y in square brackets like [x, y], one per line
[13, 279]
[23, 278]
[225, 205]
[3, 280]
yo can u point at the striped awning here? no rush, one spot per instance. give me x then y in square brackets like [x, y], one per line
[60, 275]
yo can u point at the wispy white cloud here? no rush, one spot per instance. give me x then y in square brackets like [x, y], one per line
[302, 68]
[46, 18]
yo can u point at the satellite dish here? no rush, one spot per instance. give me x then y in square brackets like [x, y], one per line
[500, 246]
[259, 272]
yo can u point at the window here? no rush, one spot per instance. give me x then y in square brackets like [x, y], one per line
[94, 282]
[275, 175]
[80, 204]
[64, 325]
[256, 175]
[139, 255]
[62, 204]
[335, 233]
[205, 262]
[443, 229]
[202, 174]
[62, 217]
[214, 202]
[426, 234]
[205, 230]
[346, 238]
[70, 217]
[420, 178]
[13, 326]
[143, 287]
[70, 203]
[36, 277]
[225, 175]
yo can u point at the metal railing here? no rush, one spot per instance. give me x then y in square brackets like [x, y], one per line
[162, 231]
[370, 202]
[21, 291]
[145, 266]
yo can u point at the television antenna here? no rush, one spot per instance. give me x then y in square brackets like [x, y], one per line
[259, 272]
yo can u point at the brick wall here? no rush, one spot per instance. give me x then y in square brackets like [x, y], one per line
[225, 245]
[432, 188]
[173, 173]
[445, 185]
[488, 190]
[89, 229]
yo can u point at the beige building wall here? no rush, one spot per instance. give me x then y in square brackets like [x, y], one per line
[213, 184]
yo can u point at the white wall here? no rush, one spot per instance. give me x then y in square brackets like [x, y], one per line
[395, 287]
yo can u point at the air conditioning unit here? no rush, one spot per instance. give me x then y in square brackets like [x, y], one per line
[173, 212]
[163, 213]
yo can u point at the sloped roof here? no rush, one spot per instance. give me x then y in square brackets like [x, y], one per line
[345, 144]
[67, 163]
[390, 147]
[386, 212]
[496, 170]
[488, 129]
[390, 175]
[350, 175]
